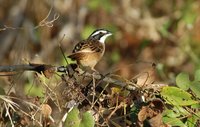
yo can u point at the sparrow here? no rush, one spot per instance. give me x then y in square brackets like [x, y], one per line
[88, 52]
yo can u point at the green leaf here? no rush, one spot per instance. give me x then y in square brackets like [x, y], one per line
[173, 122]
[195, 87]
[197, 75]
[170, 113]
[73, 119]
[87, 120]
[183, 81]
[181, 111]
[192, 120]
[195, 106]
[176, 96]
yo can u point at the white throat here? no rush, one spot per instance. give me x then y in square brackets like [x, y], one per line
[103, 38]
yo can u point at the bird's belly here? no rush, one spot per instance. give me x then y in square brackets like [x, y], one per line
[90, 59]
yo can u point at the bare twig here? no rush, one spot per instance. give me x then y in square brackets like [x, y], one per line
[26, 67]
[8, 103]
[44, 22]
[9, 27]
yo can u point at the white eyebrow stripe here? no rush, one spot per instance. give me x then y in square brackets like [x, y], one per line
[97, 32]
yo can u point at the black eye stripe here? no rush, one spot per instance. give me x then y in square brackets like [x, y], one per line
[98, 34]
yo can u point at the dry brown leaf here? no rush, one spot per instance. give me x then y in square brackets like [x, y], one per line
[142, 115]
[157, 121]
[146, 78]
[46, 110]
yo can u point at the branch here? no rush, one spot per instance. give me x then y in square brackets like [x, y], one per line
[49, 70]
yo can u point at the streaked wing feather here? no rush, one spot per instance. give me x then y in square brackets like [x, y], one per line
[76, 56]
[90, 46]
[79, 46]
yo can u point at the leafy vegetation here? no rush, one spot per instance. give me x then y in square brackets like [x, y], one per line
[185, 104]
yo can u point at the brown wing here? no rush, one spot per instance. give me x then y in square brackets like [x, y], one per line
[80, 46]
[76, 56]
[85, 47]
[88, 46]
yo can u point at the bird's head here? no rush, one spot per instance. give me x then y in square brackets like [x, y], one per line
[100, 35]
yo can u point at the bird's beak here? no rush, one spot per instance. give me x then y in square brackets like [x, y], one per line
[109, 33]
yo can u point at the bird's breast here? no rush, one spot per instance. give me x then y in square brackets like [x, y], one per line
[90, 59]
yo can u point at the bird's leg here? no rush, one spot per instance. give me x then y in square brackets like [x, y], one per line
[79, 70]
[92, 68]
[94, 71]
